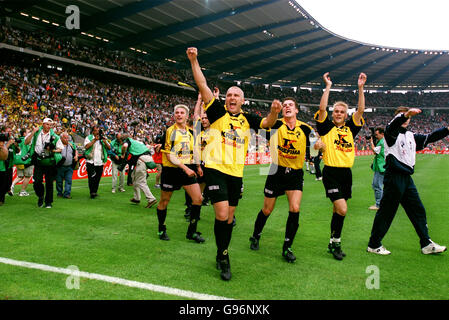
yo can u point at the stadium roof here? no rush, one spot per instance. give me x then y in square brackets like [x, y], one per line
[259, 41]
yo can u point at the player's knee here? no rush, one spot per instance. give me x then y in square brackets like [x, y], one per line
[197, 200]
[341, 210]
[163, 203]
[267, 210]
[294, 208]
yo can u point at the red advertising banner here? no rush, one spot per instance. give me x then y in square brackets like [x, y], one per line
[81, 173]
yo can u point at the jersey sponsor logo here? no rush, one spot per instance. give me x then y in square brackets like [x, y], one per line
[288, 147]
[184, 152]
[232, 137]
[342, 144]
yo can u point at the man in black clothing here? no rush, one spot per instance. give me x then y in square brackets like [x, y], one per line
[400, 150]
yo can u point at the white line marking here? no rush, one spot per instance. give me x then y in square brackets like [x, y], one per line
[124, 282]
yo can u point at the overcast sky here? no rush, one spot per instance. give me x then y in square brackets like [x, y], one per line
[409, 24]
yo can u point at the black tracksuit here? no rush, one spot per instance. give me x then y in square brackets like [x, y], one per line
[400, 150]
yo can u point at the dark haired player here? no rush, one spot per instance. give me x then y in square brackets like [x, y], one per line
[400, 150]
[288, 144]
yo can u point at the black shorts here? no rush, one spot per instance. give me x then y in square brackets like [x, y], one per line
[223, 187]
[337, 183]
[282, 179]
[174, 178]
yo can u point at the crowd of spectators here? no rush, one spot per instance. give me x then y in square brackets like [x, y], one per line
[68, 47]
[76, 103]
[29, 94]
[373, 99]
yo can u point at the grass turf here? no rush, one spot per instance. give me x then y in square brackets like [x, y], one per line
[111, 236]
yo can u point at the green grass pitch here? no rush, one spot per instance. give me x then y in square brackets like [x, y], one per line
[113, 237]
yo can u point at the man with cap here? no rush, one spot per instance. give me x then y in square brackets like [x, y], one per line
[45, 152]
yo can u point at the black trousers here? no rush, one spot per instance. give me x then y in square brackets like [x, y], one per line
[38, 184]
[94, 176]
[3, 186]
[399, 189]
[129, 180]
[316, 164]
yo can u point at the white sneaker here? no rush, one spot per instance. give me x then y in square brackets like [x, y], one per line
[381, 250]
[318, 179]
[122, 190]
[23, 194]
[433, 247]
[113, 190]
[373, 207]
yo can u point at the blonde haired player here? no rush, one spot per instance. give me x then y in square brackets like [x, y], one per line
[337, 143]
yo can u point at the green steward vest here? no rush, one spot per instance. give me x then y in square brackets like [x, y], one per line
[55, 158]
[24, 150]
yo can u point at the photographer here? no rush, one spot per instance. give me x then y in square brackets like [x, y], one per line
[138, 155]
[115, 155]
[65, 171]
[22, 161]
[378, 165]
[6, 141]
[96, 153]
[45, 152]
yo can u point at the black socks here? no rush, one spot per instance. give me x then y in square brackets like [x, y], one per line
[290, 229]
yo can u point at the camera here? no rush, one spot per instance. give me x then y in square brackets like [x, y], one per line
[50, 145]
[25, 157]
[4, 137]
[371, 135]
[101, 134]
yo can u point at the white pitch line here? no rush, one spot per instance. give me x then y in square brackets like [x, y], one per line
[114, 280]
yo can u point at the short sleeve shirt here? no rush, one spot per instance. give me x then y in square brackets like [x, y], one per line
[340, 149]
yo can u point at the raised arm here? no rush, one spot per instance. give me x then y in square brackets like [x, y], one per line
[325, 97]
[30, 136]
[200, 80]
[269, 121]
[197, 109]
[361, 104]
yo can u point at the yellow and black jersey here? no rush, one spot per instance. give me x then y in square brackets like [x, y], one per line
[178, 142]
[202, 138]
[289, 147]
[228, 138]
[340, 149]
